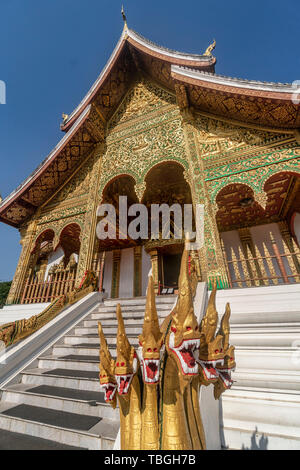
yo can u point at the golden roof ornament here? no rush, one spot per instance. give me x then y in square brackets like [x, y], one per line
[124, 18]
[65, 117]
[210, 48]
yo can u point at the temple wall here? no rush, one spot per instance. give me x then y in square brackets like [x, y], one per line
[108, 273]
[126, 273]
[54, 258]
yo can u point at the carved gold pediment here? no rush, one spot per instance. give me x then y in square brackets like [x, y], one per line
[143, 98]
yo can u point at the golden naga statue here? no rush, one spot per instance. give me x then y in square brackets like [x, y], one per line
[157, 386]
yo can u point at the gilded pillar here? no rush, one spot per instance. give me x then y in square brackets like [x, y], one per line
[137, 277]
[88, 235]
[154, 262]
[253, 266]
[291, 250]
[115, 278]
[212, 263]
[27, 241]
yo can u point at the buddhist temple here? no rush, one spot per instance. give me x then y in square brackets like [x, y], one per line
[163, 127]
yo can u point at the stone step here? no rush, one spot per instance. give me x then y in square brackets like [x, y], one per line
[272, 334]
[82, 431]
[267, 379]
[94, 339]
[81, 350]
[270, 358]
[65, 378]
[16, 441]
[112, 322]
[132, 308]
[108, 330]
[58, 398]
[126, 315]
[161, 299]
[53, 362]
[256, 318]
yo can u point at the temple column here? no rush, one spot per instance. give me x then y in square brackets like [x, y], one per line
[88, 235]
[137, 278]
[291, 250]
[28, 235]
[253, 265]
[154, 262]
[212, 263]
[115, 278]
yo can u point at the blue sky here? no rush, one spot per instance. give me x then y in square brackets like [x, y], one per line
[53, 50]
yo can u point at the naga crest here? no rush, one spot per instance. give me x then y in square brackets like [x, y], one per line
[107, 367]
[211, 350]
[183, 338]
[151, 340]
[224, 370]
[126, 362]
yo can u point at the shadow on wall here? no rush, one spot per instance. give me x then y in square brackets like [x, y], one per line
[261, 444]
[257, 443]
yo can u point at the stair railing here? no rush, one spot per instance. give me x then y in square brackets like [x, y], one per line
[13, 332]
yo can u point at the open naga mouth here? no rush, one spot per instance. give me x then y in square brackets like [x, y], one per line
[225, 376]
[109, 391]
[209, 368]
[185, 353]
[151, 370]
[123, 382]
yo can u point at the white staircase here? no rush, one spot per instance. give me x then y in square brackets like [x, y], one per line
[10, 313]
[262, 410]
[56, 402]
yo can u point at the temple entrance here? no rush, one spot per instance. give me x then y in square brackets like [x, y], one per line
[123, 263]
[171, 268]
[258, 237]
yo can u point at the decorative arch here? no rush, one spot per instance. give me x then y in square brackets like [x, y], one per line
[104, 186]
[45, 235]
[236, 203]
[239, 179]
[275, 172]
[70, 240]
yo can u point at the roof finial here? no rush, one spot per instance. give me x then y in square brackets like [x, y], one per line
[65, 117]
[124, 18]
[210, 48]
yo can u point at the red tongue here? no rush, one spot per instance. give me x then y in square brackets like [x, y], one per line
[109, 392]
[123, 383]
[188, 357]
[211, 370]
[151, 370]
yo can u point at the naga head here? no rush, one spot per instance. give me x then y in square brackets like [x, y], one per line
[106, 367]
[183, 338]
[211, 350]
[150, 341]
[224, 370]
[126, 362]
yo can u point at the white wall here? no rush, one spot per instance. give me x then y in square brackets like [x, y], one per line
[146, 266]
[54, 258]
[126, 273]
[261, 236]
[107, 272]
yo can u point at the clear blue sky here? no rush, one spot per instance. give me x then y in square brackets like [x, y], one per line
[53, 50]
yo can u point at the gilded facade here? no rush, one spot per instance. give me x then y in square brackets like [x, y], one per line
[157, 119]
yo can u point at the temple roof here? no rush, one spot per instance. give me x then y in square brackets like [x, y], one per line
[250, 102]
